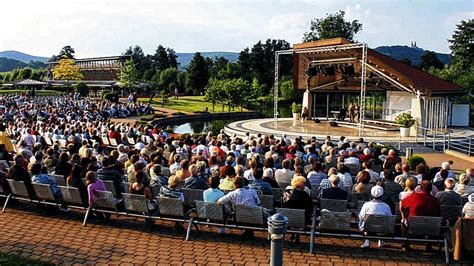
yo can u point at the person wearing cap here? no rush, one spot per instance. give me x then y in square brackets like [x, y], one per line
[375, 206]
[468, 209]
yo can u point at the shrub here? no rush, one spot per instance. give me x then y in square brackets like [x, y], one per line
[113, 97]
[296, 107]
[415, 160]
[82, 89]
[405, 120]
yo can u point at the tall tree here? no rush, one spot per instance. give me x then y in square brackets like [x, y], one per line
[164, 58]
[198, 74]
[462, 43]
[332, 26]
[128, 75]
[67, 52]
[244, 63]
[172, 58]
[429, 59]
[141, 61]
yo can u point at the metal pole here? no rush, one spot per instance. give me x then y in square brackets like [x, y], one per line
[275, 89]
[449, 139]
[434, 140]
[470, 144]
[363, 76]
[277, 229]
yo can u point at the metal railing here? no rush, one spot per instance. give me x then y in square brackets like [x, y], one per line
[442, 141]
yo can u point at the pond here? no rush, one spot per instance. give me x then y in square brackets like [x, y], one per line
[198, 127]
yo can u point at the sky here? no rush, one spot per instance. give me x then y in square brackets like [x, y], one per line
[108, 27]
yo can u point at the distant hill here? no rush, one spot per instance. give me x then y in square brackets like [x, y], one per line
[413, 53]
[8, 64]
[25, 58]
[185, 58]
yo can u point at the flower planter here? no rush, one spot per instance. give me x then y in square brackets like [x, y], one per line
[404, 131]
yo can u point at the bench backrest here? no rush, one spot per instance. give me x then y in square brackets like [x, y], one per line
[135, 203]
[209, 210]
[191, 195]
[314, 193]
[380, 224]
[105, 141]
[170, 206]
[125, 186]
[333, 205]
[71, 195]
[113, 142]
[283, 185]
[360, 203]
[296, 217]
[249, 215]
[340, 221]
[109, 186]
[266, 201]
[356, 196]
[48, 141]
[425, 226]
[451, 211]
[277, 194]
[59, 179]
[131, 141]
[18, 188]
[104, 199]
[43, 191]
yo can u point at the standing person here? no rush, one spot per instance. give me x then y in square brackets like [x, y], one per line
[351, 109]
[304, 115]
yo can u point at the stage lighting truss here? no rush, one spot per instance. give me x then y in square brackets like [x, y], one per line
[327, 49]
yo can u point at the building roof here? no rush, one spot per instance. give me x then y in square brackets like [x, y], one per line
[407, 75]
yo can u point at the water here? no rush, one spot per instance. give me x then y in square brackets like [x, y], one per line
[199, 127]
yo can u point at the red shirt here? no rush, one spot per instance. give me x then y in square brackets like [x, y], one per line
[420, 204]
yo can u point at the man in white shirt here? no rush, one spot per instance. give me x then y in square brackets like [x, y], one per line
[375, 206]
[284, 175]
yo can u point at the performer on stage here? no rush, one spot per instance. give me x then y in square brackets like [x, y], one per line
[351, 109]
[304, 115]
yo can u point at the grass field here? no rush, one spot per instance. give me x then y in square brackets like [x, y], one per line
[190, 104]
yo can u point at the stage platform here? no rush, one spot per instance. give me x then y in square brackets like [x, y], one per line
[307, 129]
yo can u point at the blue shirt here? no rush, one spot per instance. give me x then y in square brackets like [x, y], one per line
[48, 180]
[212, 194]
[260, 185]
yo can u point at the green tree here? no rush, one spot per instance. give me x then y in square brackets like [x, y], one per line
[67, 52]
[332, 26]
[82, 89]
[141, 61]
[214, 92]
[67, 69]
[198, 74]
[168, 79]
[25, 73]
[462, 43]
[217, 64]
[430, 59]
[128, 75]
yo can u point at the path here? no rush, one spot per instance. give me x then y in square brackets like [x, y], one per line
[60, 239]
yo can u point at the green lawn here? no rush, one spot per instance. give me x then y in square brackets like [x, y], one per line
[6, 259]
[189, 104]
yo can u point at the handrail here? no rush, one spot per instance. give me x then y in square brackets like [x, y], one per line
[440, 140]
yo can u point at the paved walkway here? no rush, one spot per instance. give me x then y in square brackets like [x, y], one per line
[60, 239]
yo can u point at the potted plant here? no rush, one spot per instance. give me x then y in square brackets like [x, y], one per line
[405, 121]
[296, 110]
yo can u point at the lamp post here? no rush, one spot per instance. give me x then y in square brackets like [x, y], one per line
[277, 228]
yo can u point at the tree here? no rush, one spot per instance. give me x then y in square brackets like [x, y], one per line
[332, 26]
[67, 70]
[406, 61]
[172, 58]
[82, 89]
[429, 59]
[217, 64]
[25, 73]
[164, 58]
[128, 75]
[462, 43]
[142, 62]
[168, 79]
[213, 92]
[198, 74]
[244, 64]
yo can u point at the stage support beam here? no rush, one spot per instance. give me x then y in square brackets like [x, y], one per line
[363, 83]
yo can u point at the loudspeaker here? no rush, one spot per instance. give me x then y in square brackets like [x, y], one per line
[333, 124]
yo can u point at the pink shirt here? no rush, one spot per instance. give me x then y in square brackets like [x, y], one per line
[97, 186]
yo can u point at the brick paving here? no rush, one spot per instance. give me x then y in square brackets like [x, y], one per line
[60, 239]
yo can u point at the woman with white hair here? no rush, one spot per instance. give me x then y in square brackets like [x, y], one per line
[462, 187]
[468, 209]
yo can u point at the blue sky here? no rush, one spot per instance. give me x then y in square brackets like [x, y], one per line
[108, 27]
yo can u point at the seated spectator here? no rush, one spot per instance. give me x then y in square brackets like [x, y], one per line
[213, 193]
[172, 190]
[334, 192]
[40, 175]
[93, 184]
[19, 173]
[391, 160]
[409, 188]
[375, 206]
[362, 185]
[156, 178]
[462, 187]
[183, 172]
[439, 184]
[374, 176]
[64, 166]
[227, 183]
[194, 181]
[75, 180]
[109, 172]
[366, 156]
[326, 183]
[352, 159]
[316, 176]
[419, 204]
[468, 209]
[240, 195]
[391, 188]
[296, 198]
[284, 175]
[138, 188]
[448, 196]
[446, 166]
[345, 177]
[427, 177]
[259, 185]
[400, 179]
[470, 174]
